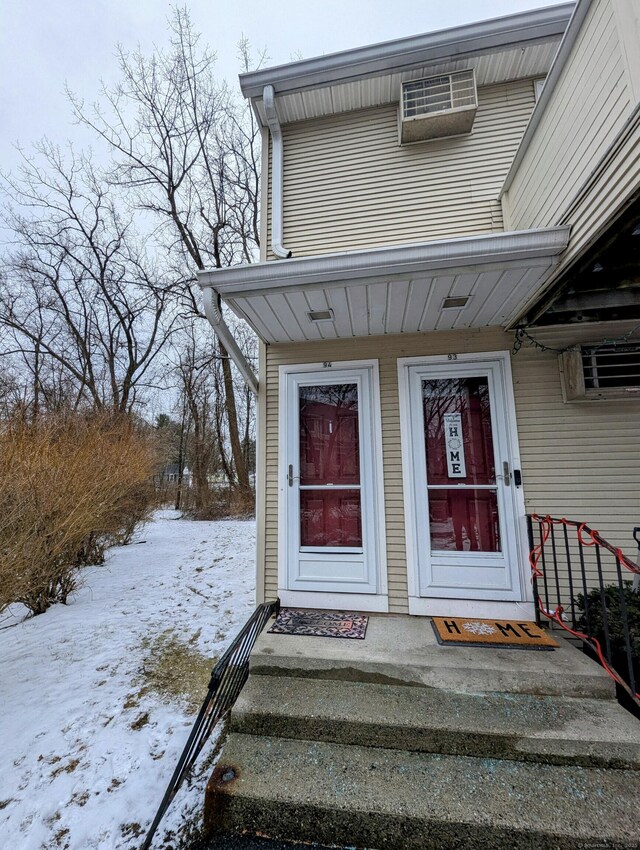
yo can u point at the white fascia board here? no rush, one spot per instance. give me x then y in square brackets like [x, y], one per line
[414, 51]
[400, 260]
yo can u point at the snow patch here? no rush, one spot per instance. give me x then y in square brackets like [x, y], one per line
[89, 742]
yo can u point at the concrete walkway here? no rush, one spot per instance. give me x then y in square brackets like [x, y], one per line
[402, 650]
[399, 743]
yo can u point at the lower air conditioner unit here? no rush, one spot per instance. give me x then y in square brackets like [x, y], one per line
[601, 372]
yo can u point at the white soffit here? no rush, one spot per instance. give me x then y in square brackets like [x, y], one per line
[400, 289]
[519, 63]
[506, 48]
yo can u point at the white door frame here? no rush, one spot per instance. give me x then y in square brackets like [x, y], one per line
[373, 518]
[521, 602]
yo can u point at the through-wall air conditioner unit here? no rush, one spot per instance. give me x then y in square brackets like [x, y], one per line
[436, 107]
[601, 372]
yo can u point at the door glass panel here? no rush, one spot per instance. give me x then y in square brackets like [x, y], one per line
[460, 458]
[464, 520]
[330, 518]
[330, 458]
[457, 420]
[329, 438]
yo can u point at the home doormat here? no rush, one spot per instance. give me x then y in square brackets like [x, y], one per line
[510, 634]
[333, 624]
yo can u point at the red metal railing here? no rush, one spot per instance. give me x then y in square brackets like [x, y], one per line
[590, 589]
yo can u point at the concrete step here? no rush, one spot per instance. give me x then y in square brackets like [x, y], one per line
[401, 650]
[552, 730]
[396, 800]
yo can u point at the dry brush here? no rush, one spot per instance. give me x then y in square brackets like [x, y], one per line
[72, 485]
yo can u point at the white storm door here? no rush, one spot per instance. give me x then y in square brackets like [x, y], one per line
[330, 498]
[466, 538]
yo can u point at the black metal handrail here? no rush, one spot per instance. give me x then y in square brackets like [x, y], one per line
[227, 680]
[584, 584]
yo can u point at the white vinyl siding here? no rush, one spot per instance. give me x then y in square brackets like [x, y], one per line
[348, 184]
[579, 460]
[568, 174]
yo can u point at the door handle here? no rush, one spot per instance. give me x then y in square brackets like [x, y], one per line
[290, 475]
[506, 473]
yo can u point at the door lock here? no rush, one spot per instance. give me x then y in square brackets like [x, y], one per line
[507, 475]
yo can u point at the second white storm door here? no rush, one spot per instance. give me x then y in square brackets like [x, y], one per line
[327, 466]
[464, 496]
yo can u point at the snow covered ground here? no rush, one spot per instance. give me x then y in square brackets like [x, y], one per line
[92, 715]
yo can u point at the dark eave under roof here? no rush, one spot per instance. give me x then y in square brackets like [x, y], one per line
[604, 285]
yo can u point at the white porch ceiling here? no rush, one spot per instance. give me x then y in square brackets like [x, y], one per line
[398, 305]
[392, 290]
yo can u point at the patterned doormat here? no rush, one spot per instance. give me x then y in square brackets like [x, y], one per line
[509, 634]
[334, 624]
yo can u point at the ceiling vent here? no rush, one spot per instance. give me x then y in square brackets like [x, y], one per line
[320, 315]
[437, 107]
[455, 301]
[601, 372]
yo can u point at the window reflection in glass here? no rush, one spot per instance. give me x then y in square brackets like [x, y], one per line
[468, 397]
[330, 518]
[461, 518]
[464, 520]
[330, 458]
[329, 438]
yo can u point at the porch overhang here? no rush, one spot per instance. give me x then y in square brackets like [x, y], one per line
[468, 282]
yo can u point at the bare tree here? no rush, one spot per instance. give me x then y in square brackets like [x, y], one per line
[195, 369]
[188, 156]
[83, 302]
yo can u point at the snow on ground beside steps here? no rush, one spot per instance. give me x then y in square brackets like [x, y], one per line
[85, 757]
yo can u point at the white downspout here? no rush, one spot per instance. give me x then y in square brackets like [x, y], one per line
[277, 165]
[211, 301]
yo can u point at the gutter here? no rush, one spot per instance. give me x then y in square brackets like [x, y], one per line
[213, 312]
[566, 46]
[355, 266]
[277, 172]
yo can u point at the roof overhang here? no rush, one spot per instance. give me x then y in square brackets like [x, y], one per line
[510, 47]
[399, 289]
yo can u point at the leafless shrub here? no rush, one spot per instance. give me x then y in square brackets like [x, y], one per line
[72, 485]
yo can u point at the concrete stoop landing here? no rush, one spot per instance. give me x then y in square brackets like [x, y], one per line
[355, 743]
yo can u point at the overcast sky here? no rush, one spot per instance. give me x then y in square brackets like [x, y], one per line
[47, 43]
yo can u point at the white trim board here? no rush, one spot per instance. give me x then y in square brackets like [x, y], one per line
[423, 607]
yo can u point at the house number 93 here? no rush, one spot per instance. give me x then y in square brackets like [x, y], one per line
[452, 356]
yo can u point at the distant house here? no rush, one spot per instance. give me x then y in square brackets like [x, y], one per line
[171, 474]
[448, 307]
